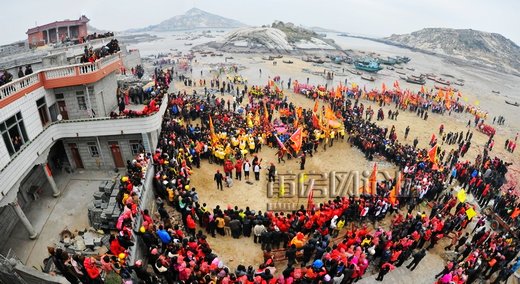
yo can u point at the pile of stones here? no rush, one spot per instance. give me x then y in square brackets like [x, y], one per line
[104, 210]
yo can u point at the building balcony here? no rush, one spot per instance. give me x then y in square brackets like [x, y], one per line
[36, 150]
[63, 76]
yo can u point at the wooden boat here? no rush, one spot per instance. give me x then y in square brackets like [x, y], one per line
[442, 81]
[458, 83]
[437, 87]
[411, 69]
[287, 61]
[513, 104]
[398, 67]
[416, 80]
[390, 68]
[188, 44]
[278, 56]
[400, 72]
[495, 92]
[355, 72]
[270, 58]
[388, 61]
[368, 78]
[402, 59]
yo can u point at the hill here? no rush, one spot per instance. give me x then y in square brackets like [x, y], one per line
[279, 37]
[490, 49]
[192, 19]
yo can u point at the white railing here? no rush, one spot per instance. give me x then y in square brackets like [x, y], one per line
[56, 73]
[88, 68]
[60, 72]
[18, 85]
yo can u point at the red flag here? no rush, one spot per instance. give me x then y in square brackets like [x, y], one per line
[315, 109]
[315, 121]
[310, 198]
[383, 87]
[432, 154]
[373, 180]
[297, 139]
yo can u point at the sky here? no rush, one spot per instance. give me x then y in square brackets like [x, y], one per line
[377, 18]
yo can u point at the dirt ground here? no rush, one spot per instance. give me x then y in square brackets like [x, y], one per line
[340, 157]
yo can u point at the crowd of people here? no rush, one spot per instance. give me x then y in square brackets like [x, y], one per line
[329, 242]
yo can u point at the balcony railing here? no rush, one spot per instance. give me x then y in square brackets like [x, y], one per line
[18, 85]
[30, 152]
[40, 77]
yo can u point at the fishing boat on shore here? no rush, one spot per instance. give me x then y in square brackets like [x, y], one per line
[458, 83]
[368, 78]
[442, 81]
[398, 67]
[388, 61]
[287, 61]
[513, 104]
[416, 80]
[355, 72]
[411, 69]
[402, 59]
[400, 72]
[390, 68]
[370, 66]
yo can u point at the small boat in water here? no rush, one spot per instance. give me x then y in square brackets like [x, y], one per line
[495, 92]
[513, 104]
[368, 78]
[287, 61]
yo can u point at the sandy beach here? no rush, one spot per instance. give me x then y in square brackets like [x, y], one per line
[342, 157]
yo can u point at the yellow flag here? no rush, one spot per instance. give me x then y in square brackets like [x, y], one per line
[471, 213]
[461, 195]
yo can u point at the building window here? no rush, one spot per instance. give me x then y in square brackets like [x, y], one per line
[93, 149]
[13, 133]
[42, 111]
[135, 147]
[82, 102]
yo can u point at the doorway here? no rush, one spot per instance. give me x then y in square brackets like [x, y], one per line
[63, 110]
[116, 154]
[75, 155]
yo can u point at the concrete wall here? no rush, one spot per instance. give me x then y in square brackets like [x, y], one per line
[71, 101]
[105, 95]
[105, 159]
[102, 98]
[131, 58]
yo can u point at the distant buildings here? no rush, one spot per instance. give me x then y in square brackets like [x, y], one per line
[58, 31]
